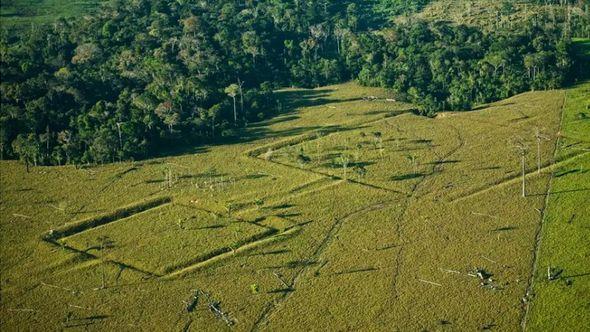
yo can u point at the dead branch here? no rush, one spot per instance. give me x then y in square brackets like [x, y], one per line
[78, 307]
[484, 215]
[281, 279]
[23, 310]
[449, 271]
[430, 282]
[57, 287]
[489, 260]
[21, 216]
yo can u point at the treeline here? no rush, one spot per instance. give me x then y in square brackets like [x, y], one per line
[445, 67]
[143, 74]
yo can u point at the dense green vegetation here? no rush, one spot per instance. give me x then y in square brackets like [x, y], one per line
[146, 74]
[270, 199]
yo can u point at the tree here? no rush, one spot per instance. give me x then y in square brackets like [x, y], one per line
[232, 90]
[213, 113]
[539, 136]
[252, 44]
[149, 72]
[413, 161]
[344, 161]
[86, 53]
[240, 85]
[27, 148]
[169, 116]
[522, 149]
[104, 243]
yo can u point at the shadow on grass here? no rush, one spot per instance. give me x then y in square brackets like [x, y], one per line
[408, 176]
[579, 275]
[274, 252]
[294, 99]
[486, 106]
[288, 215]
[504, 229]
[571, 171]
[442, 162]
[334, 164]
[568, 191]
[281, 291]
[211, 227]
[279, 207]
[294, 264]
[368, 269]
[487, 168]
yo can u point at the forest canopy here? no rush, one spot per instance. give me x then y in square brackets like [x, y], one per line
[141, 74]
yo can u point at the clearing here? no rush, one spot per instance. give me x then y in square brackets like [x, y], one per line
[347, 213]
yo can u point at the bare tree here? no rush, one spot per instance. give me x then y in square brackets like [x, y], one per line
[120, 139]
[379, 142]
[344, 161]
[522, 150]
[104, 242]
[539, 136]
[412, 159]
[240, 86]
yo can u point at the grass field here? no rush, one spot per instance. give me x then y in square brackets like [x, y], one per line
[562, 301]
[20, 13]
[342, 213]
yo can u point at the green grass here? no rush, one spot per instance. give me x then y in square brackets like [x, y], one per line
[325, 247]
[168, 238]
[20, 13]
[562, 304]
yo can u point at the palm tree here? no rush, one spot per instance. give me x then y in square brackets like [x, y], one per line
[232, 91]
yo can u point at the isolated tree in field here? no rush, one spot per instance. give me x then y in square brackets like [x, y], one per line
[104, 242]
[539, 136]
[268, 154]
[360, 170]
[344, 161]
[522, 150]
[302, 158]
[412, 159]
[169, 177]
[378, 137]
[233, 91]
[230, 207]
[358, 151]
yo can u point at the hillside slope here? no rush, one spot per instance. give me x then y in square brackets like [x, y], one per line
[347, 212]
